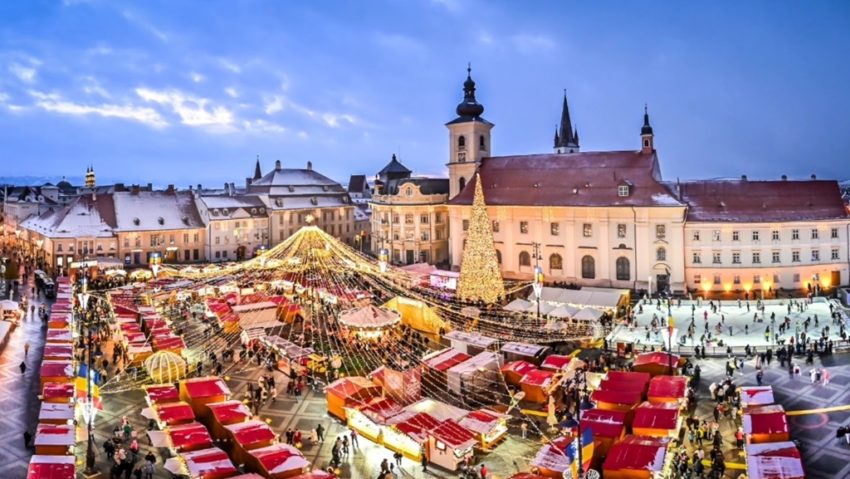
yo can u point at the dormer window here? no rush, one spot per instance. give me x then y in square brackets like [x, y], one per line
[136, 221]
[160, 220]
[623, 191]
[314, 201]
[185, 220]
[325, 188]
[278, 202]
[215, 212]
[225, 212]
[408, 191]
[291, 189]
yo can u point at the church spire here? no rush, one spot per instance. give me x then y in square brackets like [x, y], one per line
[257, 173]
[566, 140]
[647, 138]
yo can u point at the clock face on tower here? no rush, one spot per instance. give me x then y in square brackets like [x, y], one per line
[461, 156]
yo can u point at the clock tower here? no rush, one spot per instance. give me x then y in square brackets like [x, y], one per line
[469, 138]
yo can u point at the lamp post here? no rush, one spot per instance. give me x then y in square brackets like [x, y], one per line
[83, 297]
[670, 340]
[538, 276]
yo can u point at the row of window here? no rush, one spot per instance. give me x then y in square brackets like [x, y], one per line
[409, 219]
[775, 256]
[160, 240]
[588, 265]
[461, 142]
[736, 279]
[755, 235]
[586, 229]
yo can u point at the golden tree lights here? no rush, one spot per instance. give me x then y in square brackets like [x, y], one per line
[480, 279]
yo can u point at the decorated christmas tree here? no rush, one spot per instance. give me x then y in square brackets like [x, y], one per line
[480, 279]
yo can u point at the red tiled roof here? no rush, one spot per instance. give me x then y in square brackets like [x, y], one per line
[762, 201]
[571, 179]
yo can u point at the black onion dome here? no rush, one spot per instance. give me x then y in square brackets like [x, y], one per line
[469, 107]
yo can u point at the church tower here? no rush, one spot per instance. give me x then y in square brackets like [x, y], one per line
[566, 138]
[469, 138]
[90, 179]
[647, 144]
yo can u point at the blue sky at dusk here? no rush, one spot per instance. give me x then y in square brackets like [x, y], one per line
[187, 92]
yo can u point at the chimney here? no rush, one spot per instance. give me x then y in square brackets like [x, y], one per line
[232, 189]
[119, 187]
[199, 187]
[247, 182]
[784, 177]
[310, 165]
[150, 186]
[814, 177]
[135, 190]
[170, 189]
[277, 165]
[743, 177]
[190, 187]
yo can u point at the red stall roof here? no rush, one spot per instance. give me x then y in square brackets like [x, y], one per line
[617, 397]
[55, 435]
[668, 386]
[349, 386]
[765, 420]
[280, 458]
[774, 460]
[418, 425]
[757, 395]
[656, 416]
[314, 474]
[656, 357]
[552, 456]
[173, 342]
[159, 393]
[174, 412]
[446, 359]
[380, 410]
[556, 362]
[228, 412]
[211, 461]
[205, 387]
[538, 378]
[64, 351]
[480, 421]
[520, 367]
[454, 434]
[637, 453]
[53, 369]
[604, 423]
[251, 432]
[57, 390]
[51, 467]
[628, 376]
[190, 436]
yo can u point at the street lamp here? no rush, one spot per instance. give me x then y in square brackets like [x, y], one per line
[89, 411]
[538, 276]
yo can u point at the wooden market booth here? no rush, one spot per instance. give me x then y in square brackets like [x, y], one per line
[756, 396]
[607, 427]
[349, 392]
[189, 437]
[489, 426]
[657, 363]
[636, 457]
[224, 414]
[408, 434]
[60, 393]
[536, 385]
[437, 364]
[765, 424]
[51, 467]
[668, 389]
[58, 352]
[450, 444]
[515, 370]
[370, 419]
[774, 460]
[56, 413]
[247, 436]
[55, 439]
[278, 461]
[199, 392]
[657, 420]
[212, 463]
[616, 400]
[172, 413]
[161, 393]
[551, 460]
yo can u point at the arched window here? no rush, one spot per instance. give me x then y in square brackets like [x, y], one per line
[588, 267]
[499, 256]
[461, 183]
[661, 254]
[524, 259]
[555, 262]
[461, 143]
[623, 269]
[482, 143]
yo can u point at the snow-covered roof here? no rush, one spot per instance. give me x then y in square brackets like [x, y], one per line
[156, 211]
[86, 216]
[222, 207]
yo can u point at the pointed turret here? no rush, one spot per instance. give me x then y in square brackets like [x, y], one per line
[647, 138]
[566, 140]
[257, 173]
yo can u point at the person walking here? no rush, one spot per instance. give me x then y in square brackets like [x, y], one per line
[26, 349]
[320, 432]
[354, 443]
[23, 367]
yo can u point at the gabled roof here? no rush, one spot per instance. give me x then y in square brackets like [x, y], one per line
[156, 211]
[394, 166]
[762, 201]
[357, 184]
[570, 179]
[84, 216]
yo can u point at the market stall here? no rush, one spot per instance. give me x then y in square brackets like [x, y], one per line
[417, 315]
[169, 414]
[349, 392]
[51, 467]
[449, 444]
[211, 463]
[469, 343]
[657, 363]
[657, 420]
[774, 460]
[668, 389]
[765, 424]
[437, 363]
[557, 363]
[199, 392]
[370, 419]
[630, 379]
[58, 352]
[161, 393]
[637, 457]
[278, 461]
[60, 393]
[247, 436]
[436, 409]
[616, 400]
[489, 426]
[516, 351]
[551, 460]
[224, 414]
[515, 370]
[408, 434]
[369, 322]
[536, 385]
[54, 439]
[756, 395]
[56, 372]
[404, 386]
[56, 413]
[607, 427]
[188, 437]
[474, 374]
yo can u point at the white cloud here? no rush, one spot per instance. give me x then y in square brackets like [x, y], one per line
[274, 105]
[192, 111]
[335, 120]
[531, 43]
[232, 92]
[142, 23]
[229, 65]
[93, 87]
[262, 126]
[53, 102]
[26, 74]
[197, 77]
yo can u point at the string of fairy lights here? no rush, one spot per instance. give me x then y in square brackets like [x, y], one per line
[331, 276]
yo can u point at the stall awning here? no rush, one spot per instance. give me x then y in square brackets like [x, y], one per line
[205, 387]
[765, 420]
[656, 416]
[774, 460]
[604, 423]
[637, 453]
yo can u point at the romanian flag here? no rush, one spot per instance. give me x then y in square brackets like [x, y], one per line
[538, 275]
[83, 370]
[586, 451]
[82, 391]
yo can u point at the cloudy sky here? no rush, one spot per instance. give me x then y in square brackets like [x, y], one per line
[179, 91]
